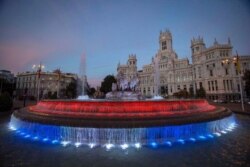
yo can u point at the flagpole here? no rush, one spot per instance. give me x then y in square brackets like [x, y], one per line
[58, 83]
[241, 94]
[38, 84]
[38, 78]
[38, 88]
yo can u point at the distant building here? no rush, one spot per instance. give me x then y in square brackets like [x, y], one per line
[130, 69]
[49, 82]
[7, 76]
[213, 68]
[7, 82]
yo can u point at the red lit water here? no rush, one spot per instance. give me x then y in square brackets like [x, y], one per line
[122, 109]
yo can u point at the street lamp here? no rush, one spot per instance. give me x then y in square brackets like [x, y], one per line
[38, 68]
[58, 72]
[236, 60]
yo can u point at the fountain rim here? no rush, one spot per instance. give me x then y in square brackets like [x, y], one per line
[120, 100]
[25, 115]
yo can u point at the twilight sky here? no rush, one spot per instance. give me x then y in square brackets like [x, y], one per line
[58, 32]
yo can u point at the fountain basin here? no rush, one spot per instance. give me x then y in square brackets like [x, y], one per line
[122, 122]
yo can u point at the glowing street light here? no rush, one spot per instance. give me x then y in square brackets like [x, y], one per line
[236, 60]
[58, 72]
[39, 69]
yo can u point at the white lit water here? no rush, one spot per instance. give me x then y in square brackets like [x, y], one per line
[227, 150]
[83, 97]
[157, 97]
[121, 137]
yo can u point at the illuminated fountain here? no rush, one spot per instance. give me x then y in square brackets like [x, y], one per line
[82, 74]
[122, 123]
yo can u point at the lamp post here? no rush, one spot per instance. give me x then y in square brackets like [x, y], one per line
[58, 72]
[39, 70]
[237, 61]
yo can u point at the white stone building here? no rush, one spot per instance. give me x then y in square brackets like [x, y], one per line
[213, 68]
[130, 69]
[49, 82]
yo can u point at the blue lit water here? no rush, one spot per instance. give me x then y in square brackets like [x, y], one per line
[231, 149]
[121, 137]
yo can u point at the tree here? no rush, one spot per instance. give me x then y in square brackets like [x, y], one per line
[106, 85]
[7, 86]
[191, 92]
[87, 88]
[52, 95]
[71, 90]
[246, 78]
[91, 91]
[181, 94]
[6, 102]
[201, 93]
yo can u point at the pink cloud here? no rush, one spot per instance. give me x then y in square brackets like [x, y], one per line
[19, 55]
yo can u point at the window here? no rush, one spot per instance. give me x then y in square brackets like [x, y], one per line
[227, 85]
[164, 45]
[216, 85]
[194, 73]
[226, 71]
[224, 84]
[199, 72]
[231, 84]
[212, 85]
[200, 84]
[213, 65]
[178, 87]
[209, 85]
[236, 72]
[211, 73]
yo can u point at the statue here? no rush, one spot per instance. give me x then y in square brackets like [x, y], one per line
[114, 87]
[134, 83]
[127, 90]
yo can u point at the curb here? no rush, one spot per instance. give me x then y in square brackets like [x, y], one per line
[242, 112]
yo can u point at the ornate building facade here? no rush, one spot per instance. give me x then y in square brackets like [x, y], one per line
[50, 82]
[213, 68]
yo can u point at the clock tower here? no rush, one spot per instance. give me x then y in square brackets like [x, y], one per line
[165, 41]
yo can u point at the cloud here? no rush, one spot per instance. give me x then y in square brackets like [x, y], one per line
[19, 54]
